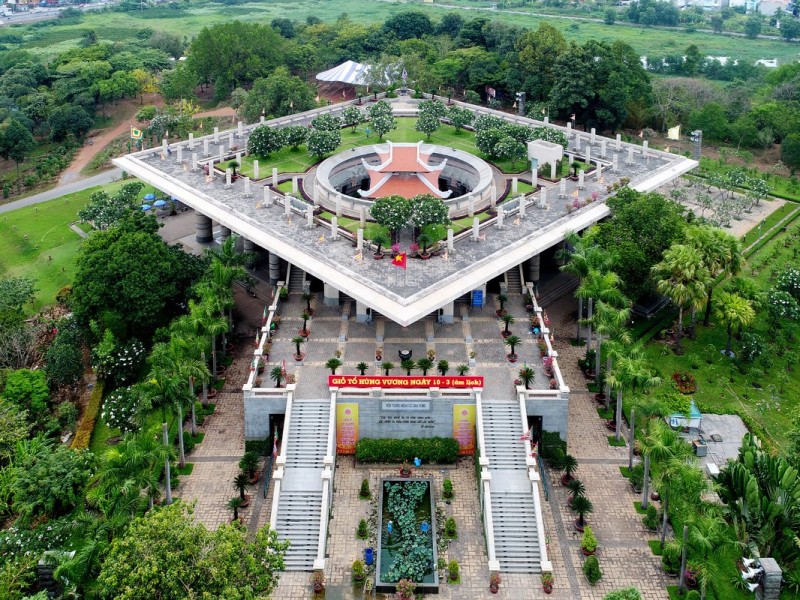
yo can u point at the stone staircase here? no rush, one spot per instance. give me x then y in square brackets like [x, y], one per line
[513, 281]
[296, 279]
[556, 287]
[513, 513]
[300, 502]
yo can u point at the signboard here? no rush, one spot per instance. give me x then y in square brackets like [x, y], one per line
[477, 298]
[346, 428]
[405, 405]
[464, 428]
[363, 381]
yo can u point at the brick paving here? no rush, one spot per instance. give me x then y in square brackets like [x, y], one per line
[623, 552]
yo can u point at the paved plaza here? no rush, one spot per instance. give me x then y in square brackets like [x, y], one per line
[624, 555]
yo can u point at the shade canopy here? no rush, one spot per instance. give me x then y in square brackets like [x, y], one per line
[159, 203]
[145, 207]
[348, 72]
[150, 196]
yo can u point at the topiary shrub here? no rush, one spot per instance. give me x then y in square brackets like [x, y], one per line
[447, 489]
[363, 532]
[450, 529]
[364, 492]
[435, 450]
[591, 568]
[650, 519]
[84, 434]
[453, 570]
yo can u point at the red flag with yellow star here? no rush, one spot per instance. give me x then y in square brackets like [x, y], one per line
[399, 260]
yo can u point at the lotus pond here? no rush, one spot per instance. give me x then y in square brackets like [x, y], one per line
[409, 552]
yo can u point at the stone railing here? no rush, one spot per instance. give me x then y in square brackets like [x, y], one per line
[485, 487]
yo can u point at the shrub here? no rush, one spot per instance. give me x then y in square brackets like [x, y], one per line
[591, 568]
[671, 558]
[551, 440]
[453, 570]
[121, 408]
[84, 434]
[28, 390]
[693, 595]
[650, 519]
[637, 477]
[434, 450]
[362, 533]
[589, 542]
[358, 570]
[630, 593]
[67, 415]
[450, 529]
[447, 488]
[364, 492]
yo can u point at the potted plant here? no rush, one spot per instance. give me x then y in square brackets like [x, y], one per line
[379, 354]
[234, 504]
[424, 240]
[588, 542]
[297, 340]
[308, 297]
[591, 568]
[528, 303]
[507, 320]
[553, 384]
[583, 506]
[304, 332]
[547, 362]
[462, 370]
[364, 492]
[512, 342]
[405, 589]
[443, 366]
[671, 558]
[333, 364]
[569, 465]
[494, 582]
[542, 348]
[425, 364]
[576, 489]
[249, 464]
[276, 374]
[318, 581]
[387, 366]
[547, 582]
[405, 470]
[447, 489]
[240, 483]
[527, 376]
[359, 572]
[501, 300]
[453, 570]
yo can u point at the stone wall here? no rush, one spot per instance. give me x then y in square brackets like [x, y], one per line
[257, 410]
[554, 413]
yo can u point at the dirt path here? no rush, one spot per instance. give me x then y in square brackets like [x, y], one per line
[123, 114]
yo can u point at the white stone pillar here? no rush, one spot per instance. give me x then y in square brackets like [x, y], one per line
[287, 205]
[180, 154]
[228, 175]
[553, 167]
[221, 154]
[522, 207]
[267, 196]
[194, 161]
[334, 228]
[562, 188]
[216, 135]
[275, 177]
[449, 239]
[630, 156]
[294, 185]
[362, 316]
[619, 142]
[255, 170]
[191, 141]
[580, 179]
[247, 186]
[363, 216]
[359, 240]
[500, 216]
[476, 229]
[514, 186]
[231, 143]
[543, 198]
[471, 209]
[330, 295]
[310, 217]
[239, 129]
[206, 151]
[603, 147]
[448, 310]
[615, 163]
[592, 135]
[588, 156]
[202, 228]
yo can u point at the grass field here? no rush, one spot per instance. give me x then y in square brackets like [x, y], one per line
[37, 242]
[114, 27]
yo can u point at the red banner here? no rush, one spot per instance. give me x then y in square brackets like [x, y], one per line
[363, 381]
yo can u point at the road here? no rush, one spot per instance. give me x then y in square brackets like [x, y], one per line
[76, 186]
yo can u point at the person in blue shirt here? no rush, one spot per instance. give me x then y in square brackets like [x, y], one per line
[424, 527]
[389, 527]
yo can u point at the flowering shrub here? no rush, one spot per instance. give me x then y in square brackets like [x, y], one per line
[753, 346]
[117, 363]
[120, 409]
[789, 282]
[782, 305]
[685, 381]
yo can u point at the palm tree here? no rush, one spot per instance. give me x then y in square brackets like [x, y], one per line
[682, 277]
[387, 366]
[527, 375]
[631, 371]
[408, 365]
[380, 239]
[203, 319]
[583, 255]
[362, 368]
[240, 483]
[234, 504]
[276, 374]
[679, 476]
[164, 389]
[583, 506]
[602, 287]
[501, 300]
[424, 240]
[576, 489]
[425, 364]
[659, 443]
[720, 252]
[333, 364]
[508, 320]
[512, 342]
[569, 464]
[733, 310]
[305, 316]
[307, 298]
[462, 370]
[442, 366]
[297, 340]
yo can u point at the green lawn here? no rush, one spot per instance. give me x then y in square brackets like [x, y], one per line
[117, 26]
[36, 242]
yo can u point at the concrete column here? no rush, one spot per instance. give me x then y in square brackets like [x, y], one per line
[360, 239]
[202, 228]
[449, 239]
[224, 233]
[559, 246]
[191, 141]
[448, 311]
[249, 248]
[330, 295]
[216, 135]
[362, 316]
[255, 170]
[274, 268]
[534, 264]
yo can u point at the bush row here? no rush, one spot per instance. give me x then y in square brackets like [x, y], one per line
[84, 434]
[435, 449]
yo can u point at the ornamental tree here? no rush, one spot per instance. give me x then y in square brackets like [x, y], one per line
[382, 118]
[510, 149]
[167, 553]
[428, 210]
[294, 136]
[28, 390]
[486, 140]
[393, 212]
[460, 117]
[427, 123]
[327, 122]
[104, 210]
[265, 140]
[351, 117]
[323, 141]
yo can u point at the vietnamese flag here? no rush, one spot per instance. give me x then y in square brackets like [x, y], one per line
[400, 260]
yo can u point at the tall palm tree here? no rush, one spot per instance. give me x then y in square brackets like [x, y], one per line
[165, 389]
[297, 340]
[583, 255]
[631, 371]
[333, 364]
[733, 310]
[527, 375]
[720, 252]
[682, 277]
[611, 309]
[203, 320]
[215, 303]
[189, 349]
[658, 444]
[679, 476]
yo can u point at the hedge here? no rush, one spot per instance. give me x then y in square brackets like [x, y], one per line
[441, 450]
[84, 433]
